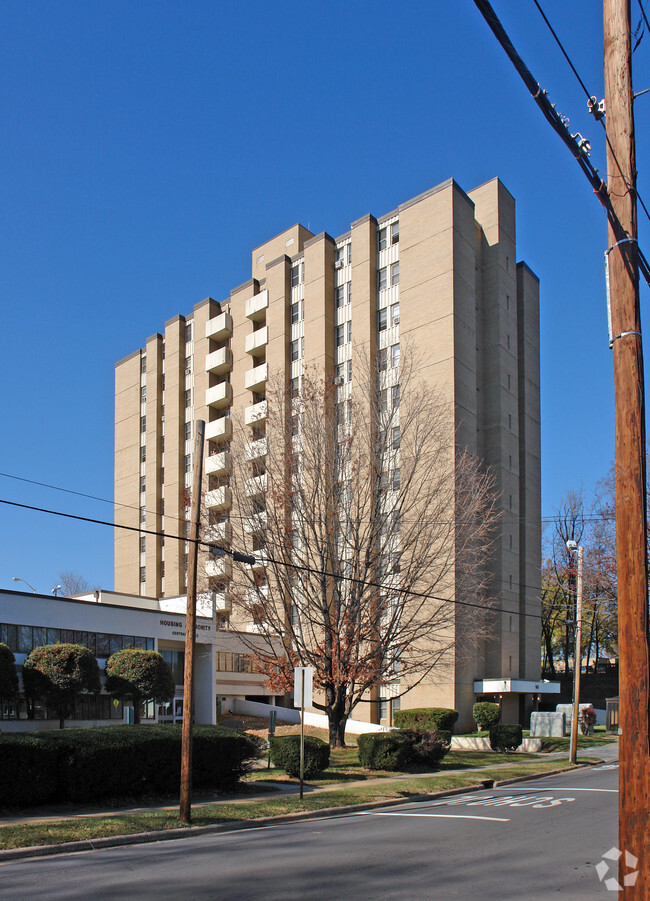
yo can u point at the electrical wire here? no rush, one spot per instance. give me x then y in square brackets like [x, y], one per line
[296, 566]
[589, 95]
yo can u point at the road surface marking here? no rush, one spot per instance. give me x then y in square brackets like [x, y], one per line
[446, 816]
[561, 788]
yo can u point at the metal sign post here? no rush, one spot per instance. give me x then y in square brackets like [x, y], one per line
[303, 682]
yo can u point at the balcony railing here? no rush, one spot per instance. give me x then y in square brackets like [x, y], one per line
[219, 498]
[257, 305]
[218, 464]
[218, 533]
[257, 341]
[219, 328]
[257, 449]
[256, 378]
[255, 413]
[219, 429]
[219, 395]
[219, 361]
[219, 568]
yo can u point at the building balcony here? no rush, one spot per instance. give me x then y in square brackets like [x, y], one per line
[257, 341]
[260, 561]
[219, 328]
[219, 395]
[255, 379]
[219, 568]
[255, 450]
[219, 498]
[218, 464]
[219, 429]
[218, 533]
[256, 486]
[257, 595]
[219, 361]
[255, 413]
[222, 601]
[255, 523]
[257, 305]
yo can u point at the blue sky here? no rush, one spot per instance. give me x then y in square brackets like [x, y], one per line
[146, 148]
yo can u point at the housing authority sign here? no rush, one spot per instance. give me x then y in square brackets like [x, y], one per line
[173, 628]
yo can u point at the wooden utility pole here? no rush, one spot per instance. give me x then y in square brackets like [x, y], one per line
[577, 663]
[190, 627]
[631, 557]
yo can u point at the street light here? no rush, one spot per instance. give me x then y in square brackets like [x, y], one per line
[55, 589]
[16, 579]
[572, 547]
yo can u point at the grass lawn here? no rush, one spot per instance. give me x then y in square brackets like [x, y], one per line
[92, 827]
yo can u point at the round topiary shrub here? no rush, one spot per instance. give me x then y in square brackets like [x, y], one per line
[386, 750]
[486, 714]
[505, 738]
[285, 754]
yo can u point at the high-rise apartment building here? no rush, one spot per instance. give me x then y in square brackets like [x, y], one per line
[440, 272]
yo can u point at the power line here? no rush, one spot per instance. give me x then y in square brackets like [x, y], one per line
[247, 558]
[590, 98]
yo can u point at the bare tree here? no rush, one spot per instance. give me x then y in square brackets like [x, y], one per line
[370, 528]
[73, 583]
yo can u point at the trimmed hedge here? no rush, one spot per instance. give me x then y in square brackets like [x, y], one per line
[486, 714]
[117, 761]
[285, 754]
[401, 748]
[505, 738]
[427, 718]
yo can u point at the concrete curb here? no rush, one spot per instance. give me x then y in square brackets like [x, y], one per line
[139, 838]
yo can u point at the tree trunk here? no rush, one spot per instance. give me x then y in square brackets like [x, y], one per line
[136, 711]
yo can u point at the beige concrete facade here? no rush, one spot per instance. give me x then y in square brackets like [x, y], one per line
[440, 274]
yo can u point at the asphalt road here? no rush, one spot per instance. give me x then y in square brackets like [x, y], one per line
[530, 841]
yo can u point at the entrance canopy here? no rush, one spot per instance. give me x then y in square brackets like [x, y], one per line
[518, 686]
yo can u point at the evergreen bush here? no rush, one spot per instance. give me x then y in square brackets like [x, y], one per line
[285, 754]
[401, 748]
[117, 761]
[486, 714]
[428, 718]
[505, 738]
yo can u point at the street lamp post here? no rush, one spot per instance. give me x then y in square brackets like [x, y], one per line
[572, 547]
[16, 579]
[56, 589]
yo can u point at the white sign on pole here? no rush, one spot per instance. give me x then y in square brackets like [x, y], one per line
[303, 681]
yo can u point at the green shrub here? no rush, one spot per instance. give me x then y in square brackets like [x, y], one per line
[139, 675]
[8, 675]
[505, 738]
[486, 714]
[401, 748]
[431, 718]
[56, 673]
[285, 754]
[117, 761]
[385, 750]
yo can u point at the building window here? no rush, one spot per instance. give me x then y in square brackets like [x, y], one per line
[394, 314]
[294, 313]
[188, 431]
[143, 454]
[394, 356]
[143, 393]
[508, 381]
[188, 332]
[143, 574]
[394, 274]
[382, 359]
[143, 515]
[395, 397]
[339, 296]
[162, 507]
[395, 437]
[394, 233]
[142, 485]
[188, 397]
[508, 341]
[188, 365]
[295, 276]
[162, 570]
[143, 424]
[396, 479]
[294, 388]
[143, 544]
[188, 463]
[339, 335]
[293, 351]
[383, 400]
[339, 257]
[349, 370]
[382, 320]
[162, 476]
[382, 279]
[381, 239]
[349, 331]
[143, 363]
